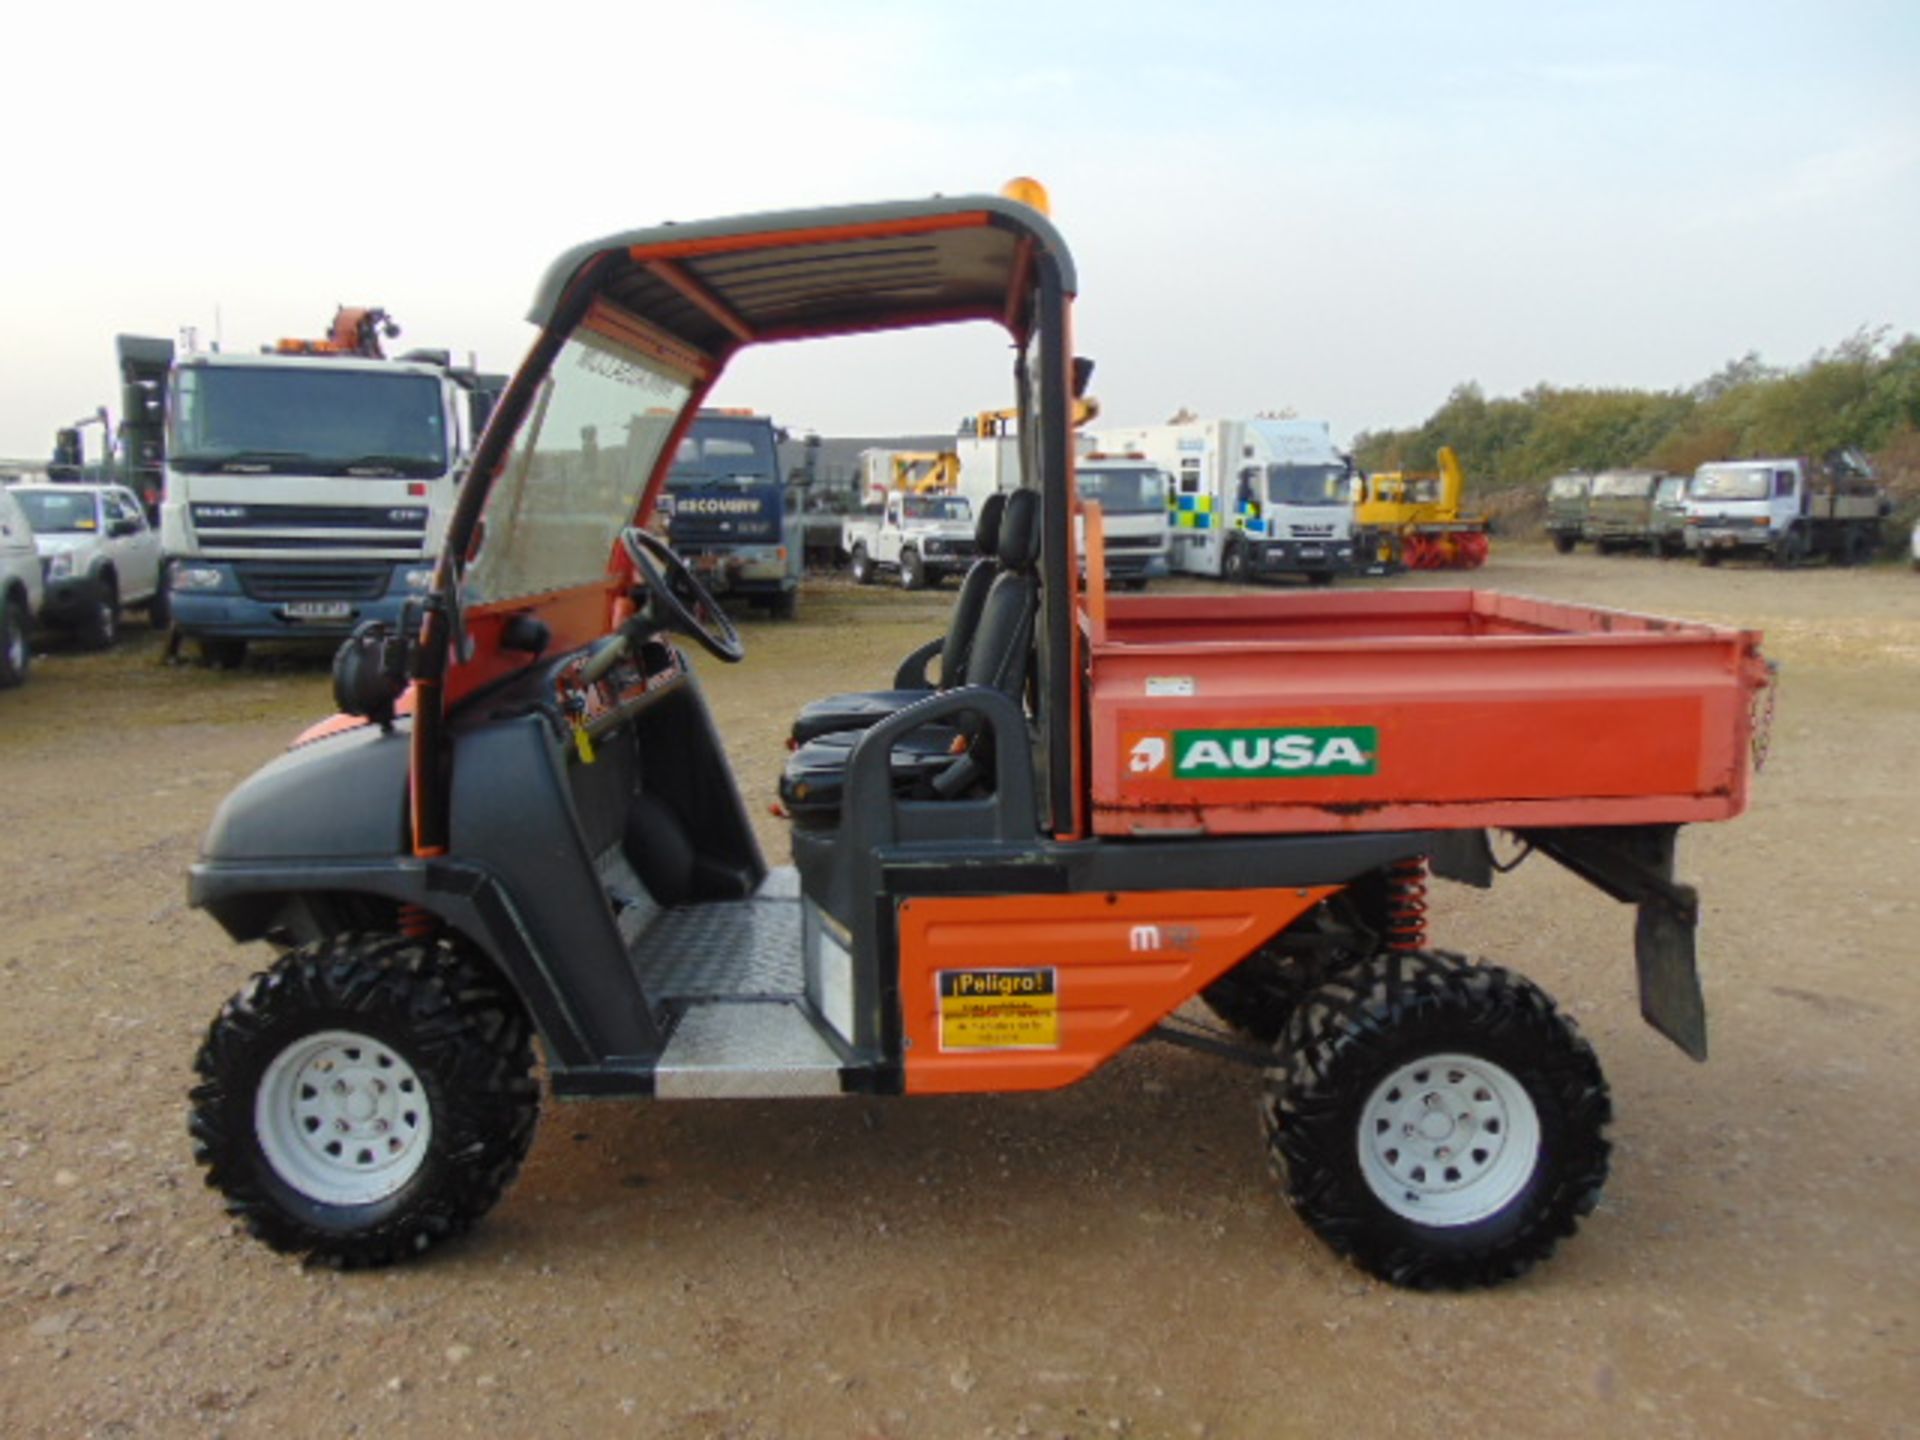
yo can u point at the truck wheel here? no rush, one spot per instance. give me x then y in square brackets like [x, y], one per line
[1234, 568]
[16, 646]
[160, 607]
[913, 571]
[364, 1099]
[785, 605]
[1788, 549]
[1320, 577]
[224, 654]
[861, 565]
[1709, 555]
[101, 627]
[1437, 1121]
[1564, 544]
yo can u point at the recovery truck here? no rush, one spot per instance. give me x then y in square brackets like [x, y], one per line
[522, 822]
[1788, 510]
[308, 486]
[730, 515]
[1251, 497]
[1411, 520]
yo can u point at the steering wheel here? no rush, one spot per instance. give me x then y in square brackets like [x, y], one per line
[682, 602]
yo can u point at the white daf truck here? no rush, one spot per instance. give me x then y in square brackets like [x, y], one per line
[1787, 510]
[1251, 497]
[308, 487]
[1131, 489]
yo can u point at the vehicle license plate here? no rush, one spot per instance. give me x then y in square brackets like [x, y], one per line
[318, 610]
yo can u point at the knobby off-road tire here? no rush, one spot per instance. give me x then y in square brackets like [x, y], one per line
[1257, 997]
[1437, 1121]
[365, 1099]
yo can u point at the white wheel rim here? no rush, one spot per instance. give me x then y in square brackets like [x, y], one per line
[343, 1118]
[1448, 1140]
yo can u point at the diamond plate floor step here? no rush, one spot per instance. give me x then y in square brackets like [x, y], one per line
[727, 949]
[745, 1049]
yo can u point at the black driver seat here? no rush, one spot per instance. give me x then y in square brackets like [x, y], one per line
[935, 760]
[858, 709]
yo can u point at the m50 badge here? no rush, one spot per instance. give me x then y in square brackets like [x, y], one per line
[1262, 753]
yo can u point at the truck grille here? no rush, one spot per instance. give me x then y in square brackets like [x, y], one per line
[1132, 542]
[265, 580]
[399, 519]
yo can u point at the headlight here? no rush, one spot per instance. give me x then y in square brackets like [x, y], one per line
[60, 565]
[419, 581]
[197, 577]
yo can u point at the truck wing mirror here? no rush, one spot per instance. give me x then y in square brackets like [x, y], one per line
[1082, 375]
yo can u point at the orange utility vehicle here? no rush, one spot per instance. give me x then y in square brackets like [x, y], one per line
[1006, 872]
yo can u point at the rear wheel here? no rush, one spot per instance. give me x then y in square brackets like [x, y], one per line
[16, 647]
[365, 1099]
[101, 626]
[1709, 555]
[1437, 1121]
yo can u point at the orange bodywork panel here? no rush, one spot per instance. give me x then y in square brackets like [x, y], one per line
[1032, 992]
[1403, 710]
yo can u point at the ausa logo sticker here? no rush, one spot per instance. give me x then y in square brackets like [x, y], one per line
[1268, 752]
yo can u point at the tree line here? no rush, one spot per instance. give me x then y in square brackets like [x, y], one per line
[1864, 392]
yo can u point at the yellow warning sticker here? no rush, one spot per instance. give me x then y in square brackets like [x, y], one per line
[999, 1010]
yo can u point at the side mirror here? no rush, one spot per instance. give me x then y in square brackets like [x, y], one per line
[121, 529]
[1082, 375]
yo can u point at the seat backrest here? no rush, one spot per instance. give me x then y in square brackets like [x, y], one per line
[973, 593]
[1004, 636]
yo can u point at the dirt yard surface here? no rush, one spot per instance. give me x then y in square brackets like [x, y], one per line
[1109, 1260]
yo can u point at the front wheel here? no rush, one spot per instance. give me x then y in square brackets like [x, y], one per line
[862, 566]
[913, 571]
[1437, 1121]
[364, 1099]
[101, 627]
[1235, 568]
[1564, 544]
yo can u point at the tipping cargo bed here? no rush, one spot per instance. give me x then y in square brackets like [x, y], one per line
[1392, 710]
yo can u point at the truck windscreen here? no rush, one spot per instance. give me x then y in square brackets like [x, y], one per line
[1729, 482]
[725, 449]
[1129, 491]
[309, 420]
[1307, 484]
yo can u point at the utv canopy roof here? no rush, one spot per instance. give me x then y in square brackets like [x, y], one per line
[717, 285]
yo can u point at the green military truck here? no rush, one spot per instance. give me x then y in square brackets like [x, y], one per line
[1567, 509]
[1636, 510]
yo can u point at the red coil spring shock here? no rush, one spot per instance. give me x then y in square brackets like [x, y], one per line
[417, 922]
[1407, 904]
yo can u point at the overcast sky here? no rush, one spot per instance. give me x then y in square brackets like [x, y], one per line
[1270, 204]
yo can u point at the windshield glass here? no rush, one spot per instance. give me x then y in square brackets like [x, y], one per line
[53, 513]
[1567, 487]
[262, 419]
[1127, 490]
[1729, 482]
[937, 507]
[1625, 483]
[1307, 485]
[1671, 490]
[726, 449]
[577, 470]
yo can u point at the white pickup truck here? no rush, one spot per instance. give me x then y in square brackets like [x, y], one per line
[922, 538]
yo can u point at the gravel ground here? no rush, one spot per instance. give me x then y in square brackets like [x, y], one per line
[1110, 1260]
